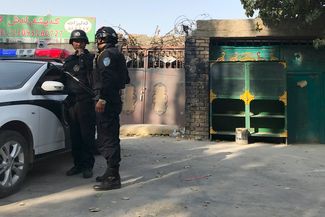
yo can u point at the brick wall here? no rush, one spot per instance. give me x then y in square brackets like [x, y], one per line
[197, 88]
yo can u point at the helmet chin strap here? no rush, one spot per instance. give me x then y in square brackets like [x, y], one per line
[103, 47]
[102, 42]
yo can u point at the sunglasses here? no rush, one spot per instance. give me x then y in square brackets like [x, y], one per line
[101, 35]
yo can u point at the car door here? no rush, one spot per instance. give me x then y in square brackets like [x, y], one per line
[53, 131]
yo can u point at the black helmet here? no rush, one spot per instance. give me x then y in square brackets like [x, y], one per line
[107, 33]
[78, 34]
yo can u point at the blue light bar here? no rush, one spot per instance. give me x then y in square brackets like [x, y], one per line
[8, 52]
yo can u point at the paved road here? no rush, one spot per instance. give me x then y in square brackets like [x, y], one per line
[163, 176]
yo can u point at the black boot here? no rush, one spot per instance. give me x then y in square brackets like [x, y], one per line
[110, 171]
[109, 183]
[74, 171]
[87, 173]
[104, 176]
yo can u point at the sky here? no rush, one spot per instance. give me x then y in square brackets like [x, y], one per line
[136, 16]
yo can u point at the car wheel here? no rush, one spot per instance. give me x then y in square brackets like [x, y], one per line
[13, 161]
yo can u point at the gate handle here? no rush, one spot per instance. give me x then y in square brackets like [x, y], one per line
[142, 94]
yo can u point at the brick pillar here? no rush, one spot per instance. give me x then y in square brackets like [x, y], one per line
[197, 88]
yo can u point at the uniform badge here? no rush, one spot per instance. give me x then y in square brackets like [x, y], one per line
[76, 68]
[106, 61]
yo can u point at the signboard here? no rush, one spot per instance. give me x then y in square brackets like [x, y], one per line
[52, 29]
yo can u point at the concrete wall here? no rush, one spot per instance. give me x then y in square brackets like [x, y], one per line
[251, 28]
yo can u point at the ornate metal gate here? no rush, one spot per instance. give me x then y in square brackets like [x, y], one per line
[156, 94]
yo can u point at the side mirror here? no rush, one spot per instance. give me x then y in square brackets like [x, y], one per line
[52, 86]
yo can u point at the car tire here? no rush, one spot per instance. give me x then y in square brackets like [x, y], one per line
[13, 161]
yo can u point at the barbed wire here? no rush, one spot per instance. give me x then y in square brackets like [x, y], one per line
[129, 37]
[183, 26]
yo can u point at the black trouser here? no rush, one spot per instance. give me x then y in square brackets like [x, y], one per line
[82, 121]
[108, 136]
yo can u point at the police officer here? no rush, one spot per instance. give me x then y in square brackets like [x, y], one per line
[81, 104]
[109, 65]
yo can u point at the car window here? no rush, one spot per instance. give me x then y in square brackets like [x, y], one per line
[15, 74]
[53, 73]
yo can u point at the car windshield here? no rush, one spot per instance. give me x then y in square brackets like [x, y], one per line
[15, 74]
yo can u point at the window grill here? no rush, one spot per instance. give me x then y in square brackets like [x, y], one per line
[154, 58]
[165, 58]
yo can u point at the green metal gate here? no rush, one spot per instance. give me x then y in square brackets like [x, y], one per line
[252, 82]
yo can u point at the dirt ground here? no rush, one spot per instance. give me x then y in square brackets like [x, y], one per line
[169, 177]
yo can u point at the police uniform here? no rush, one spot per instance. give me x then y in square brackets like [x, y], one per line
[108, 123]
[81, 109]
[110, 77]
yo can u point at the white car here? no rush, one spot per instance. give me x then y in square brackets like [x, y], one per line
[32, 117]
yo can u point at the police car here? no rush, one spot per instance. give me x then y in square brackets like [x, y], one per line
[32, 120]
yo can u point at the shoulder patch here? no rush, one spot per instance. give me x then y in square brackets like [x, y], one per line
[106, 61]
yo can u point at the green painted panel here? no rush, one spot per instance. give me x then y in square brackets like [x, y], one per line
[267, 80]
[304, 104]
[227, 79]
[233, 53]
[303, 58]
